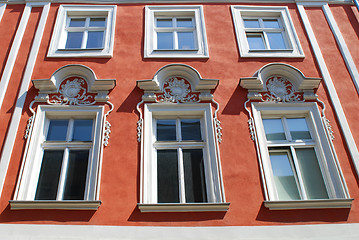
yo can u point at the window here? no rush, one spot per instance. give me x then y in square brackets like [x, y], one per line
[180, 159]
[83, 31]
[265, 32]
[175, 32]
[298, 162]
[180, 165]
[61, 165]
[66, 152]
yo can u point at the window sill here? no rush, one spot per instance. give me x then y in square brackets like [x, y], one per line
[53, 204]
[308, 204]
[80, 53]
[271, 54]
[176, 54]
[187, 207]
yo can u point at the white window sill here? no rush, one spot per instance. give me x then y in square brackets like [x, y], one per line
[53, 204]
[271, 54]
[80, 53]
[176, 54]
[308, 204]
[187, 207]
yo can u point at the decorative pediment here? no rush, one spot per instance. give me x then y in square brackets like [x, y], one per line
[177, 83]
[73, 84]
[280, 82]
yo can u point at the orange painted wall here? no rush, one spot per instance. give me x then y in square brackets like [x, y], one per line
[120, 168]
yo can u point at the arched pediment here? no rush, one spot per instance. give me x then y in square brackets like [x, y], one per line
[76, 77]
[178, 83]
[280, 75]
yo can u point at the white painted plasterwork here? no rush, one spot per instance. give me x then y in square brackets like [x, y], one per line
[351, 144]
[178, 90]
[93, 232]
[58, 39]
[15, 119]
[279, 89]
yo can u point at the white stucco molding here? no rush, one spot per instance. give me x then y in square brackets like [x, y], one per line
[300, 82]
[198, 84]
[333, 95]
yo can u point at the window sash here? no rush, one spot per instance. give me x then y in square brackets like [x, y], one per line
[264, 32]
[175, 30]
[290, 146]
[85, 30]
[67, 146]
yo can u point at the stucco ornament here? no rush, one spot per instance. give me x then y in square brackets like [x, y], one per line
[177, 90]
[73, 91]
[280, 90]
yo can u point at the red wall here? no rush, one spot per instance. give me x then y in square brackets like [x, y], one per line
[120, 168]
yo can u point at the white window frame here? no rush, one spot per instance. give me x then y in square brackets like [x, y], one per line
[293, 47]
[194, 12]
[332, 175]
[31, 166]
[202, 111]
[65, 12]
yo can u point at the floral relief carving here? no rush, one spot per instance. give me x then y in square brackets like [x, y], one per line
[280, 90]
[176, 90]
[73, 91]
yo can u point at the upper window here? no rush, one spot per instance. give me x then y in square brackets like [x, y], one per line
[83, 31]
[175, 32]
[265, 32]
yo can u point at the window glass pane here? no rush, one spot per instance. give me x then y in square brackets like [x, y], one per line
[276, 41]
[77, 22]
[311, 174]
[283, 176]
[166, 130]
[274, 129]
[167, 176]
[164, 40]
[251, 23]
[97, 22]
[185, 40]
[195, 181]
[271, 23]
[95, 39]
[74, 40]
[184, 22]
[298, 128]
[76, 175]
[57, 130]
[49, 175]
[255, 42]
[191, 129]
[82, 130]
[160, 22]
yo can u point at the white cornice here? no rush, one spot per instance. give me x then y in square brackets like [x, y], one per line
[174, 1]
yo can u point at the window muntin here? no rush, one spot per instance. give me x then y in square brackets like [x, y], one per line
[294, 160]
[175, 32]
[66, 151]
[180, 161]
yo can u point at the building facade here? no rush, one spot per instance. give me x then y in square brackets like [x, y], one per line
[179, 119]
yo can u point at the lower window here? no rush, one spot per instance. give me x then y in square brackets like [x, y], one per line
[298, 162]
[180, 161]
[62, 160]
